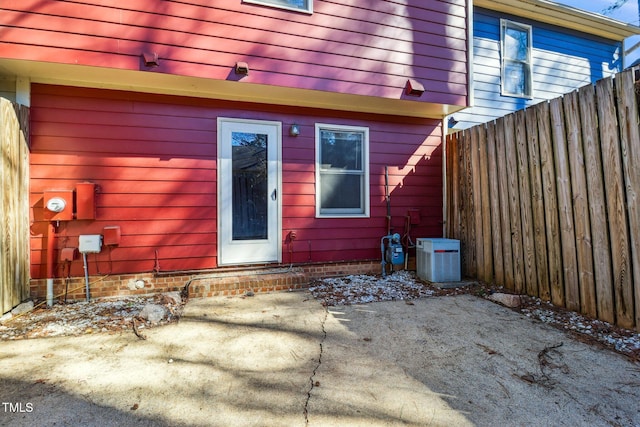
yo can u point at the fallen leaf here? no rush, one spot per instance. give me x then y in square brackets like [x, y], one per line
[528, 378]
[488, 350]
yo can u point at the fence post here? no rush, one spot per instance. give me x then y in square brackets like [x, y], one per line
[14, 205]
[627, 104]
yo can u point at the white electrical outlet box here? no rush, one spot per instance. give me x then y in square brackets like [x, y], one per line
[89, 243]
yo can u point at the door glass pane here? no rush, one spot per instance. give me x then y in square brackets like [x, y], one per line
[249, 163]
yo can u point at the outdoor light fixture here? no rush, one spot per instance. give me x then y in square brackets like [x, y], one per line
[452, 122]
[242, 68]
[150, 59]
[294, 130]
[414, 88]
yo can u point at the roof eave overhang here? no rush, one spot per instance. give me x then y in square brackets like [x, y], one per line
[562, 16]
[169, 84]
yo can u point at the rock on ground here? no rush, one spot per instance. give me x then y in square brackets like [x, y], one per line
[508, 300]
[154, 313]
[22, 308]
[171, 298]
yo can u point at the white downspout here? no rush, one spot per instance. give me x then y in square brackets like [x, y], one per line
[445, 131]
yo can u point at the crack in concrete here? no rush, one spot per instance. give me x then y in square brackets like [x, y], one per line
[312, 381]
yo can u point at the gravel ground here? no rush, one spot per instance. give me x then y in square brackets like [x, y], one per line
[117, 315]
[402, 285]
[80, 318]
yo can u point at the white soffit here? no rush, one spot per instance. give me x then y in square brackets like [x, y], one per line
[563, 16]
[168, 84]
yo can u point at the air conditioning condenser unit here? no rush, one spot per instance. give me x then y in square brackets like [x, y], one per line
[438, 259]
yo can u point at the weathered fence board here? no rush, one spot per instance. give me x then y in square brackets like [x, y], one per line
[487, 257]
[584, 253]
[463, 205]
[9, 137]
[514, 204]
[14, 205]
[550, 196]
[597, 210]
[494, 191]
[528, 246]
[507, 252]
[476, 181]
[630, 148]
[470, 229]
[452, 189]
[547, 200]
[565, 206]
[615, 203]
[537, 207]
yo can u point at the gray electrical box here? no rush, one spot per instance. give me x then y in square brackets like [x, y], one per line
[89, 243]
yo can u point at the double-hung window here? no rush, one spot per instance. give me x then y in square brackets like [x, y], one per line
[516, 70]
[342, 171]
[297, 5]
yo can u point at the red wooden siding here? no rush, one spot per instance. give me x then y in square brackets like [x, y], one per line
[153, 159]
[354, 47]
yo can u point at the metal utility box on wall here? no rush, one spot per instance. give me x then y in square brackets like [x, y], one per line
[438, 260]
[68, 254]
[85, 200]
[111, 235]
[89, 243]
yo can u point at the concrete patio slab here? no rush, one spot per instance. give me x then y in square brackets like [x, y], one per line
[283, 359]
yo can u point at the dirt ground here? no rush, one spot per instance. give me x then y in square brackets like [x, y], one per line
[285, 359]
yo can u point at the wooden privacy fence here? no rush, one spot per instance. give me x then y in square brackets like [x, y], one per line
[545, 200]
[14, 204]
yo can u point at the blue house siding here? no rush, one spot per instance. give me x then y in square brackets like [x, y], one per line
[563, 60]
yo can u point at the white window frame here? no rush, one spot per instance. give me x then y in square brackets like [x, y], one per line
[363, 211]
[279, 5]
[527, 64]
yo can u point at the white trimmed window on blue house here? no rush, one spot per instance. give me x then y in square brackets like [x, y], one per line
[515, 52]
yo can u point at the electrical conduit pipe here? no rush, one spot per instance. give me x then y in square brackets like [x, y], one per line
[51, 244]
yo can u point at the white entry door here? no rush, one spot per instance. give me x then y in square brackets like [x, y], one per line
[249, 221]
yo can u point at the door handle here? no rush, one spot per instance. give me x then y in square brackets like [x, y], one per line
[274, 194]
